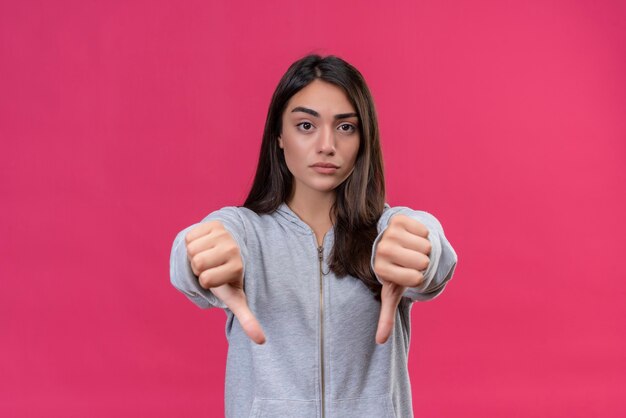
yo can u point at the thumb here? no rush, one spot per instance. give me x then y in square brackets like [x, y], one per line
[235, 300]
[390, 297]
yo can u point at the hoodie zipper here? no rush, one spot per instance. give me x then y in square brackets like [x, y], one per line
[320, 256]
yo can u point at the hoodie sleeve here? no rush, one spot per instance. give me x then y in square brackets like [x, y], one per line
[443, 258]
[181, 275]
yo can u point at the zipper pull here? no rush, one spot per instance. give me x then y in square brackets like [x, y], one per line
[320, 252]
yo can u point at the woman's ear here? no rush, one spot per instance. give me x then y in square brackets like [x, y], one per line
[280, 142]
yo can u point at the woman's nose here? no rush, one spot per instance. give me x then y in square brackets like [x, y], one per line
[326, 140]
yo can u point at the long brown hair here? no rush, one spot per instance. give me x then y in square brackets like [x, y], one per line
[360, 199]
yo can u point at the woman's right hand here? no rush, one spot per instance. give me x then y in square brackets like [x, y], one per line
[216, 260]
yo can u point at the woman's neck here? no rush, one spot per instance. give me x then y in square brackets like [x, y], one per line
[315, 212]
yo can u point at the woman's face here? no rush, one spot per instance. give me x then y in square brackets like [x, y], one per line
[319, 125]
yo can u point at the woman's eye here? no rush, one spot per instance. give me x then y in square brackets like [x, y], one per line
[346, 127]
[305, 125]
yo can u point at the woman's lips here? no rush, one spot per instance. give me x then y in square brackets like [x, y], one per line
[324, 170]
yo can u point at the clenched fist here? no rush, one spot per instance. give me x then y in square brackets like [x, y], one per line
[402, 255]
[215, 258]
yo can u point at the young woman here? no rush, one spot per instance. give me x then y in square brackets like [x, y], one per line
[316, 273]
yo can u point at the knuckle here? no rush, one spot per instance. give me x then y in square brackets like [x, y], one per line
[217, 224]
[237, 267]
[190, 249]
[232, 250]
[417, 279]
[204, 279]
[391, 229]
[245, 322]
[380, 269]
[190, 236]
[387, 322]
[196, 262]
[383, 248]
[193, 260]
[393, 234]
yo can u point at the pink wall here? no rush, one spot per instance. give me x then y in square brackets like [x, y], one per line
[123, 122]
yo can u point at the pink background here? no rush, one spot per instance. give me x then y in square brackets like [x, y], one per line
[122, 122]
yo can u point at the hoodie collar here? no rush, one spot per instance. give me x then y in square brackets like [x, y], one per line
[290, 217]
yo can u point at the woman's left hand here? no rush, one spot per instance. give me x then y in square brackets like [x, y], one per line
[402, 256]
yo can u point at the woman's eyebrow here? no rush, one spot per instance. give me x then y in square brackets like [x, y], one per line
[317, 115]
[305, 110]
[346, 115]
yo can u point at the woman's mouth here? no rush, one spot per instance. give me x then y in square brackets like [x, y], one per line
[324, 170]
[324, 167]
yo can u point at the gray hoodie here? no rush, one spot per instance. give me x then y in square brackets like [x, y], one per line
[320, 358]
